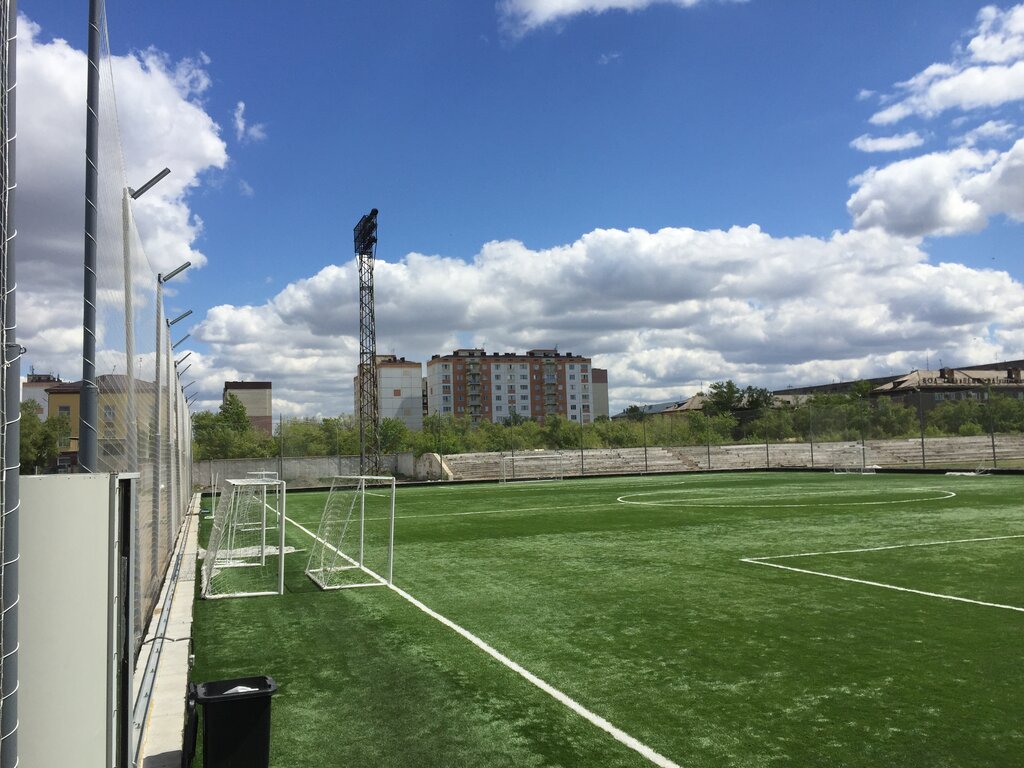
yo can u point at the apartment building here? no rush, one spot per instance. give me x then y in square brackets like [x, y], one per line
[493, 387]
[399, 390]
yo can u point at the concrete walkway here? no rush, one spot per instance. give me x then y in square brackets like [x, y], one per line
[163, 729]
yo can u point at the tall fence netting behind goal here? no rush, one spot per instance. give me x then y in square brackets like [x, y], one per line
[355, 541]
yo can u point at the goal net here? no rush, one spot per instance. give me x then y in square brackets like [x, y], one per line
[355, 542]
[245, 554]
[851, 460]
[531, 466]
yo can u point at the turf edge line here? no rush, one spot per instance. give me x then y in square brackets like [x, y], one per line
[616, 733]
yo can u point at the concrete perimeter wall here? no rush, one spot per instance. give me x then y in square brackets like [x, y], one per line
[314, 471]
[1005, 451]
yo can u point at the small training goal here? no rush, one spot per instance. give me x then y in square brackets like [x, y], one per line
[852, 461]
[355, 542]
[245, 554]
[532, 466]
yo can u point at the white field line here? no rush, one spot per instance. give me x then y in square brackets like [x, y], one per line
[616, 733]
[834, 502]
[765, 561]
[890, 546]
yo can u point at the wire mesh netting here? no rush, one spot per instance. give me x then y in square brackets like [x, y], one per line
[245, 552]
[354, 544]
[142, 422]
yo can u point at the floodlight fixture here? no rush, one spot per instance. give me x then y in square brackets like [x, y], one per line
[180, 317]
[135, 194]
[364, 234]
[180, 341]
[174, 272]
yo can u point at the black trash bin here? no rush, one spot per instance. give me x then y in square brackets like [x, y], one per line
[236, 722]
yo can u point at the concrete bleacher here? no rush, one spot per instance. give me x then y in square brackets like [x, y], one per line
[952, 452]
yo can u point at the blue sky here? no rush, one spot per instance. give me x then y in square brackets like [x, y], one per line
[717, 133]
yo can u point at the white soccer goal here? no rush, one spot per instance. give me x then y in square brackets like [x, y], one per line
[851, 460]
[241, 559]
[355, 542]
[532, 466]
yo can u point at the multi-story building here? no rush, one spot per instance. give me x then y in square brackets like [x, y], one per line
[399, 390]
[599, 392]
[34, 388]
[257, 398]
[494, 387]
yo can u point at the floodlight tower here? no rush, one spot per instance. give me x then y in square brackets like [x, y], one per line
[365, 238]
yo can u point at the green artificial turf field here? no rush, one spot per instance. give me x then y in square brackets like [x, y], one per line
[749, 619]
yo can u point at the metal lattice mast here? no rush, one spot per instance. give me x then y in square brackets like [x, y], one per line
[365, 239]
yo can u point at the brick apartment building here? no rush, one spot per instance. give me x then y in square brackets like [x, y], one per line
[492, 387]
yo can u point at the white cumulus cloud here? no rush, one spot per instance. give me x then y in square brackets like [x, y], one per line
[51, 177]
[988, 73]
[896, 143]
[661, 310]
[522, 16]
[245, 131]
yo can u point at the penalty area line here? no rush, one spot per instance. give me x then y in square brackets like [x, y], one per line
[594, 719]
[850, 579]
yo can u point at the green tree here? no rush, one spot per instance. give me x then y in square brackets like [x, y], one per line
[233, 415]
[723, 397]
[40, 441]
[228, 434]
[394, 436]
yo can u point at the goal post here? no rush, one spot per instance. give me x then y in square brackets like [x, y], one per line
[241, 558]
[355, 541]
[532, 466]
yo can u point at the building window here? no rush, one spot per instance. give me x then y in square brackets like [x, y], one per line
[498, 397]
[522, 366]
[398, 393]
[583, 367]
[498, 408]
[64, 410]
[572, 397]
[524, 386]
[497, 377]
[108, 412]
[572, 407]
[444, 367]
[522, 376]
[573, 417]
[572, 377]
[524, 397]
[446, 399]
[572, 366]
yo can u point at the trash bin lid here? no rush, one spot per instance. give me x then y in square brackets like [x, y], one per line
[235, 689]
